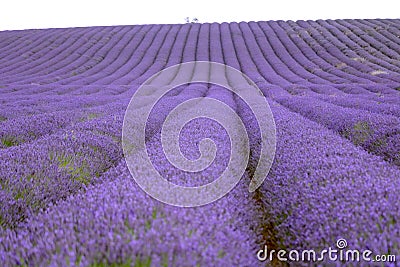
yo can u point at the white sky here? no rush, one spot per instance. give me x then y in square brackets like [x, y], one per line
[25, 14]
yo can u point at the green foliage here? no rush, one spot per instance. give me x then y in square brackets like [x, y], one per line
[22, 262]
[142, 262]
[2, 222]
[359, 133]
[280, 218]
[148, 225]
[362, 132]
[139, 262]
[379, 143]
[21, 194]
[129, 229]
[90, 116]
[9, 141]
[65, 160]
[154, 213]
[221, 253]
[79, 171]
[165, 260]
[127, 263]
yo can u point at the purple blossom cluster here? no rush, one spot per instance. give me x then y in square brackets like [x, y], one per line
[116, 222]
[35, 174]
[370, 130]
[323, 188]
[67, 197]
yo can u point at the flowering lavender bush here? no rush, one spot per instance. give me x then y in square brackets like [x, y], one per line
[67, 197]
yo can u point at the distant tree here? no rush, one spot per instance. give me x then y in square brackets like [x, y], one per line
[193, 20]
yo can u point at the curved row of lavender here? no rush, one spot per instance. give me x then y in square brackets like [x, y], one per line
[67, 198]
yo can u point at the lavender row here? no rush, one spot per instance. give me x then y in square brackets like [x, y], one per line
[370, 105]
[25, 129]
[33, 175]
[363, 128]
[19, 101]
[322, 188]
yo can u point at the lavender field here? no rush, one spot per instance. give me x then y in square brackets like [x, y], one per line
[67, 197]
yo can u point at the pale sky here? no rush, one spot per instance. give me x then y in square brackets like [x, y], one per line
[25, 14]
